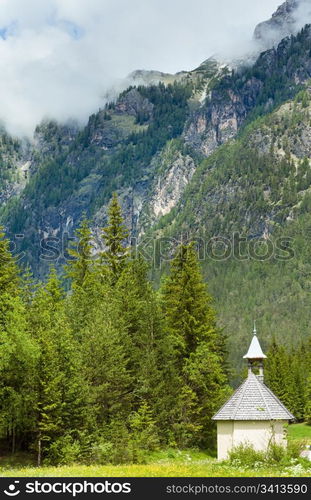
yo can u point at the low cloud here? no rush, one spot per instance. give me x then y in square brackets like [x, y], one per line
[302, 15]
[59, 58]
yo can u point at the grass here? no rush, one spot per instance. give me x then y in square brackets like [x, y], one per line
[299, 432]
[165, 463]
[171, 468]
[170, 463]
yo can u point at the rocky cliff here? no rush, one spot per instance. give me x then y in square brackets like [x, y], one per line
[148, 144]
[283, 23]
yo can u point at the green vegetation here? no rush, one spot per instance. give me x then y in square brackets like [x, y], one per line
[246, 455]
[105, 374]
[299, 432]
[85, 168]
[287, 374]
[275, 85]
[167, 463]
[253, 194]
[10, 154]
[114, 371]
[171, 462]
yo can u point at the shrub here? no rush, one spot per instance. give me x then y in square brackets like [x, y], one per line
[101, 452]
[276, 454]
[63, 451]
[295, 448]
[245, 454]
[143, 432]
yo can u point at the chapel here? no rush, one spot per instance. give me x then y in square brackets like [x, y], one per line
[253, 415]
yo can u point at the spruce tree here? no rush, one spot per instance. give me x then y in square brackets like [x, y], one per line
[198, 349]
[287, 373]
[278, 374]
[114, 237]
[147, 345]
[81, 262]
[307, 413]
[18, 353]
[187, 308]
[84, 279]
[298, 387]
[61, 399]
[306, 357]
[105, 356]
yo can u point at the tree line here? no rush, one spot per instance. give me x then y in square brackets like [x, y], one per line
[112, 369]
[288, 374]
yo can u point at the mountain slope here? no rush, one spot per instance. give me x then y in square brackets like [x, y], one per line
[248, 207]
[201, 154]
[283, 23]
[119, 148]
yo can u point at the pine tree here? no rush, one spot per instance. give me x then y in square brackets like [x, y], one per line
[84, 278]
[299, 375]
[81, 263]
[61, 406]
[104, 347]
[147, 345]
[286, 373]
[28, 287]
[306, 357]
[187, 308]
[9, 277]
[114, 236]
[277, 372]
[198, 349]
[18, 353]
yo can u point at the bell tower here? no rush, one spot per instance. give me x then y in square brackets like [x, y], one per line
[255, 355]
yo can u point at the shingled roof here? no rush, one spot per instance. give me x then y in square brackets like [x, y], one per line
[253, 400]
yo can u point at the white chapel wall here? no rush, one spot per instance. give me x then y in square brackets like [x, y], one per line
[257, 433]
[224, 438]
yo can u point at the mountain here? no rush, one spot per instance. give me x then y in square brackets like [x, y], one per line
[123, 147]
[283, 23]
[202, 154]
[291, 16]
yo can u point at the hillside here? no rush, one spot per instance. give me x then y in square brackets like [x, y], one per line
[203, 154]
[249, 205]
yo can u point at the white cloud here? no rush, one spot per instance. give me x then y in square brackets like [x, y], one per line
[58, 57]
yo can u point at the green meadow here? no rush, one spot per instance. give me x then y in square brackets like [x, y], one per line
[168, 463]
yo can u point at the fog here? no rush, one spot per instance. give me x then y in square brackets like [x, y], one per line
[59, 58]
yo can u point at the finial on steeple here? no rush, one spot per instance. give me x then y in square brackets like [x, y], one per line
[255, 354]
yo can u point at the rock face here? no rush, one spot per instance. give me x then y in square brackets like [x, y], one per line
[146, 201]
[217, 123]
[147, 145]
[291, 16]
[254, 184]
[237, 94]
[169, 188]
[106, 129]
[143, 77]
[134, 104]
[173, 172]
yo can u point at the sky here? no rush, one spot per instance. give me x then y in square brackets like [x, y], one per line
[58, 58]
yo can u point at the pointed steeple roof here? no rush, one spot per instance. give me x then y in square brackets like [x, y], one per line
[254, 350]
[253, 400]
